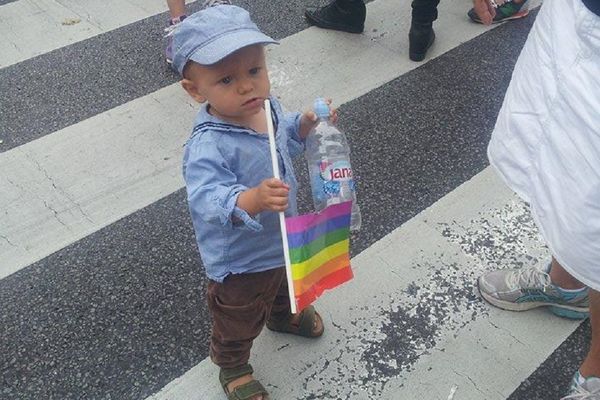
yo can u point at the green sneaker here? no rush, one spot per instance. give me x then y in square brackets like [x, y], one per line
[507, 11]
[527, 288]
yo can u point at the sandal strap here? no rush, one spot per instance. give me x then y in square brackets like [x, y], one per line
[227, 375]
[306, 324]
[247, 391]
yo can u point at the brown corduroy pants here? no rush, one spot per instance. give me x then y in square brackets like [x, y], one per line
[240, 307]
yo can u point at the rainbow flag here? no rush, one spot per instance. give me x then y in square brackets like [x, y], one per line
[319, 249]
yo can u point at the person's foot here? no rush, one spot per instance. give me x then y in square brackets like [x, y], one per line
[317, 326]
[505, 12]
[239, 382]
[420, 38]
[212, 3]
[339, 16]
[307, 323]
[527, 288]
[583, 388]
[169, 30]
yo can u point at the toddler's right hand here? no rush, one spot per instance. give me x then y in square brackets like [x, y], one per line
[272, 194]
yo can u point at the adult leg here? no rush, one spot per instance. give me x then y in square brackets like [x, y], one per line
[591, 364]
[176, 8]
[424, 11]
[177, 14]
[586, 381]
[562, 278]
[421, 35]
[339, 15]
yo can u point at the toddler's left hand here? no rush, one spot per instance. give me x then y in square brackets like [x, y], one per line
[309, 119]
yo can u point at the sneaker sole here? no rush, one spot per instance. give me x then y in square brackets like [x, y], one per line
[569, 312]
[520, 14]
[564, 311]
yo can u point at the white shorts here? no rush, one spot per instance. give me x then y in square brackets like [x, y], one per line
[546, 142]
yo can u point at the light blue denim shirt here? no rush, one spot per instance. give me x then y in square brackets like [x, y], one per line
[221, 161]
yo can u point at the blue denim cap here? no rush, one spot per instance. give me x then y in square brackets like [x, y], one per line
[212, 34]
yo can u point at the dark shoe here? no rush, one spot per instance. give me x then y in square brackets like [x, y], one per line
[346, 17]
[310, 324]
[420, 39]
[505, 12]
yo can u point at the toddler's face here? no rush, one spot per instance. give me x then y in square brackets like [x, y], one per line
[235, 87]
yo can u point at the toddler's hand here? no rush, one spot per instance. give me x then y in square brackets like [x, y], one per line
[272, 194]
[309, 119]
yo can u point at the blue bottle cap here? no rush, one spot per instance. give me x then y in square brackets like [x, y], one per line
[321, 108]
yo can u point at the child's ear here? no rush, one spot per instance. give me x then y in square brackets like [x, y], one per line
[192, 90]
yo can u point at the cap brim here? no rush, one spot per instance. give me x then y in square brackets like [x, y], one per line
[227, 44]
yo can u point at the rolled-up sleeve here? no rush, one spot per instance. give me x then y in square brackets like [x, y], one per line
[292, 125]
[212, 189]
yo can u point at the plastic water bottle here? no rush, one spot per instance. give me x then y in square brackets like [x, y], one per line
[328, 157]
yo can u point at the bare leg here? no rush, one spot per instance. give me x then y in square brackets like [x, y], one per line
[562, 278]
[559, 276]
[176, 8]
[591, 364]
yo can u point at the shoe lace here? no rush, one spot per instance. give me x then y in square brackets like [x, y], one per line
[528, 277]
[212, 3]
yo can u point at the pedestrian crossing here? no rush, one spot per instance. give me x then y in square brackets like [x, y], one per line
[99, 276]
[136, 175]
[34, 27]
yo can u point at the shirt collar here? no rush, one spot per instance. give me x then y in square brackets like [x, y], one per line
[205, 120]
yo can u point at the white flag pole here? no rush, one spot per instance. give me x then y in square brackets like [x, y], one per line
[286, 252]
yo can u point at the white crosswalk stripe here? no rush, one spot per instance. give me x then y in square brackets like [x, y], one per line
[34, 27]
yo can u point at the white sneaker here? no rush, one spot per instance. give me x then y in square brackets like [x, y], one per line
[584, 388]
[526, 288]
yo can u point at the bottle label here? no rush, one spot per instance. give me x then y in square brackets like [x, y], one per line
[337, 171]
[332, 176]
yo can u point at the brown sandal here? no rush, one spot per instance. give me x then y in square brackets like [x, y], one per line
[305, 326]
[245, 391]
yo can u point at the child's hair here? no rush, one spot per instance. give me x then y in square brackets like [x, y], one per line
[186, 69]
